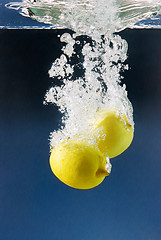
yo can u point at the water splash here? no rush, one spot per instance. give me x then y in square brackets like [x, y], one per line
[81, 14]
[101, 57]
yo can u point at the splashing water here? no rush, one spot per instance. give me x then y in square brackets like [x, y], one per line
[101, 57]
[82, 15]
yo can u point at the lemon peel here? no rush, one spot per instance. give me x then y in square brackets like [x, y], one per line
[79, 164]
[113, 132]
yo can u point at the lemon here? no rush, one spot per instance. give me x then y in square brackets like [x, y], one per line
[79, 164]
[113, 133]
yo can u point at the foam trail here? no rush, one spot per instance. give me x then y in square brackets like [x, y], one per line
[81, 97]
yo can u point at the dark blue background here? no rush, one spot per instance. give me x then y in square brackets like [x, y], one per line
[34, 204]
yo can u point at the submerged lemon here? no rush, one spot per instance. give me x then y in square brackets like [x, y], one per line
[79, 164]
[113, 133]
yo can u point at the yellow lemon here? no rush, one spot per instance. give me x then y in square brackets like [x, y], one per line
[113, 133]
[79, 164]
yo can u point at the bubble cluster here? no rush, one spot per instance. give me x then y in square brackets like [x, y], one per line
[98, 89]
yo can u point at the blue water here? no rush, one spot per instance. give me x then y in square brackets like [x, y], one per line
[34, 203]
[9, 18]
